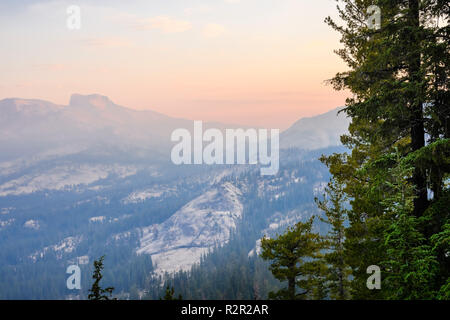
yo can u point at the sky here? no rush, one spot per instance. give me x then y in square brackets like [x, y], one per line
[259, 63]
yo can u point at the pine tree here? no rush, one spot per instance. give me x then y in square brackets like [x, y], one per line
[337, 271]
[97, 292]
[170, 294]
[294, 258]
[399, 73]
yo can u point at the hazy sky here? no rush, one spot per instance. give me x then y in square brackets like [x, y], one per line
[254, 62]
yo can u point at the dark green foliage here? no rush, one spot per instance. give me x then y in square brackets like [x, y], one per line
[411, 264]
[337, 272]
[294, 258]
[396, 176]
[170, 294]
[96, 291]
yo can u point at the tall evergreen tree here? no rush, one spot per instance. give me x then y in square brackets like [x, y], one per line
[337, 271]
[294, 258]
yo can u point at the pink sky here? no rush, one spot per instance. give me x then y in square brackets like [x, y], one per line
[244, 62]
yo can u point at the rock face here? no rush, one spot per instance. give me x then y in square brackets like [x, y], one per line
[202, 224]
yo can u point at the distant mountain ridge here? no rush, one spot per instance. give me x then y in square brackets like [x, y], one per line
[52, 147]
[316, 132]
[36, 125]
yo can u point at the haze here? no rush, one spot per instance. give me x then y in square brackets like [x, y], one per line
[254, 62]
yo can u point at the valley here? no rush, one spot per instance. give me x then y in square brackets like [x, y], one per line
[115, 195]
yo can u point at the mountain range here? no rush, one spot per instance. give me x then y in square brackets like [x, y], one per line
[94, 178]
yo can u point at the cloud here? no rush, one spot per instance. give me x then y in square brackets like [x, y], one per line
[213, 30]
[165, 24]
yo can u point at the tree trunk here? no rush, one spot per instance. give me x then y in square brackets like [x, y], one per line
[291, 288]
[341, 284]
[417, 127]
